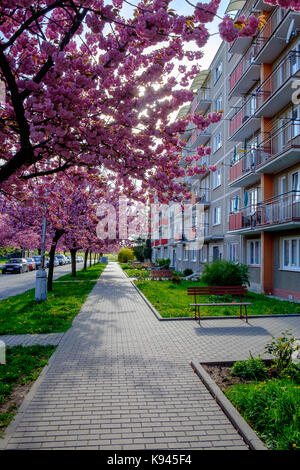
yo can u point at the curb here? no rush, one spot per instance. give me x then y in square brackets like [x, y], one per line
[249, 436]
[160, 318]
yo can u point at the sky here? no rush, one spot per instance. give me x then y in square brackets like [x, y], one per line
[182, 7]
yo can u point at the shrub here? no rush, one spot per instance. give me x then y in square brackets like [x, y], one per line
[282, 349]
[177, 273]
[187, 272]
[164, 262]
[176, 279]
[225, 273]
[125, 254]
[253, 369]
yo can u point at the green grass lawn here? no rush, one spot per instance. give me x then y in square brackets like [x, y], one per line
[23, 366]
[171, 300]
[271, 407]
[92, 273]
[21, 314]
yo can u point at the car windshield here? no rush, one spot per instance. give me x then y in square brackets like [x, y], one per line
[16, 260]
[29, 259]
[37, 258]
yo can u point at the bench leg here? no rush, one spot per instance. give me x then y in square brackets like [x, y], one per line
[199, 313]
[246, 313]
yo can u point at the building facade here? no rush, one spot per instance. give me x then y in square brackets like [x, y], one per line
[252, 201]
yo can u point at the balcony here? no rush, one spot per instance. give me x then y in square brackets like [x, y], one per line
[188, 131]
[199, 138]
[260, 5]
[246, 73]
[276, 91]
[203, 196]
[243, 172]
[277, 213]
[244, 122]
[272, 39]
[281, 149]
[202, 100]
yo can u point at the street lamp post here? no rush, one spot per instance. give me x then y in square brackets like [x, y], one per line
[41, 275]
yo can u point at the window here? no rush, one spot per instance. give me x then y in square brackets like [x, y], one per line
[218, 71]
[219, 104]
[250, 201]
[185, 254]
[217, 178]
[290, 253]
[233, 252]
[194, 255]
[179, 253]
[296, 185]
[217, 216]
[217, 142]
[254, 252]
[234, 205]
[203, 254]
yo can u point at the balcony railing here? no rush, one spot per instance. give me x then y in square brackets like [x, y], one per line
[244, 113]
[246, 71]
[289, 67]
[202, 100]
[283, 140]
[281, 209]
[247, 163]
[274, 33]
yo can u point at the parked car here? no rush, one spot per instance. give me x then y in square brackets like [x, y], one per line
[61, 259]
[79, 259]
[69, 260]
[15, 265]
[38, 261]
[31, 264]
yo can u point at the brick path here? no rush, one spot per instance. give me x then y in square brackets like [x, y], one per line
[120, 379]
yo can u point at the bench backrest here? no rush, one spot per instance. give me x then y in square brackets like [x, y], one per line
[217, 290]
[161, 273]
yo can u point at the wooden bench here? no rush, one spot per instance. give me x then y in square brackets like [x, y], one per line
[220, 291]
[159, 274]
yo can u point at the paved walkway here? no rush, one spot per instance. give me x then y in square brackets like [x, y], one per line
[121, 379]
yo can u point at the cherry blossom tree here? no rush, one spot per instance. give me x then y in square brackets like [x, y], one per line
[86, 87]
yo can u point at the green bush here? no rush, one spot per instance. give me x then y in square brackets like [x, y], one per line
[176, 279]
[225, 273]
[252, 369]
[176, 273]
[281, 349]
[164, 262]
[187, 272]
[125, 255]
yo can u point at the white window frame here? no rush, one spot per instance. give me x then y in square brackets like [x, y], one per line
[185, 254]
[218, 71]
[233, 251]
[179, 253]
[217, 215]
[194, 255]
[217, 178]
[217, 142]
[290, 266]
[254, 242]
[219, 103]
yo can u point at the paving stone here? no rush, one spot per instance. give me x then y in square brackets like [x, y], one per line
[121, 379]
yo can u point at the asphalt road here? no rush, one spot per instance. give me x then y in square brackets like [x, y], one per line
[13, 284]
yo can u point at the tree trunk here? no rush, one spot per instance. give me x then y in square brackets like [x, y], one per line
[86, 254]
[95, 257]
[73, 259]
[58, 234]
[90, 258]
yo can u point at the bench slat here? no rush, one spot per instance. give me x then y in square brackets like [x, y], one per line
[221, 303]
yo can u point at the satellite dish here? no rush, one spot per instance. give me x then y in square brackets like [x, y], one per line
[290, 30]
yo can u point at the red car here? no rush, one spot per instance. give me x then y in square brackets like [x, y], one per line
[31, 264]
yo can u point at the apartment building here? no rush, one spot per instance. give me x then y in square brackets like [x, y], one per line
[252, 202]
